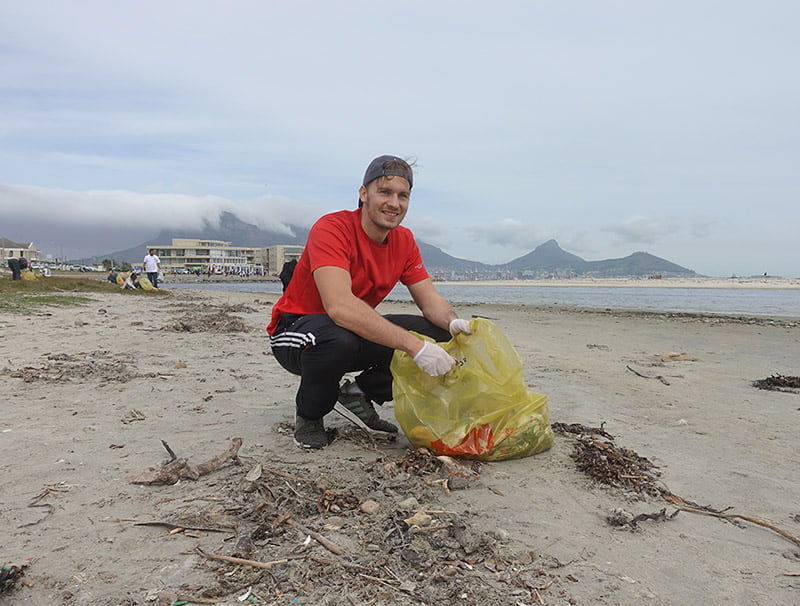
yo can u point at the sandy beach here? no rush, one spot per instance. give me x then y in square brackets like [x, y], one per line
[91, 391]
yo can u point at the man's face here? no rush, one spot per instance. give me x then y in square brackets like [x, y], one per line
[385, 203]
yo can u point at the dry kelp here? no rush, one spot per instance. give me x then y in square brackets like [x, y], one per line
[623, 468]
[779, 383]
[611, 464]
[9, 575]
[208, 322]
[93, 365]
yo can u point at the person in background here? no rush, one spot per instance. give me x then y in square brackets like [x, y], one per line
[13, 265]
[112, 276]
[325, 323]
[131, 281]
[151, 266]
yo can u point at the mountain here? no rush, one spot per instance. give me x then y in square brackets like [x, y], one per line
[230, 229]
[637, 264]
[551, 258]
[544, 261]
[548, 257]
[437, 259]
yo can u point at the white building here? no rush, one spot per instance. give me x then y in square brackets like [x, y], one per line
[9, 249]
[214, 255]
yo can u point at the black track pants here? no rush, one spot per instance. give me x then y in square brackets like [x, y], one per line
[321, 352]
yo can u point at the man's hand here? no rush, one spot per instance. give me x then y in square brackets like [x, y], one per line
[458, 325]
[434, 360]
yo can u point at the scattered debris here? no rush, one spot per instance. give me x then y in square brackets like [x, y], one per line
[310, 532]
[9, 575]
[622, 518]
[623, 468]
[578, 430]
[94, 365]
[677, 357]
[216, 322]
[183, 522]
[616, 466]
[638, 374]
[779, 383]
[133, 415]
[176, 468]
[608, 463]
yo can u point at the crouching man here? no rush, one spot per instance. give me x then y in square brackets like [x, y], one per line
[325, 323]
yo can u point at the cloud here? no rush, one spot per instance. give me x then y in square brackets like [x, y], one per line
[103, 207]
[509, 233]
[84, 223]
[650, 230]
[430, 230]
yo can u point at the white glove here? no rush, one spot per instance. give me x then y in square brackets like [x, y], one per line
[458, 325]
[434, 360]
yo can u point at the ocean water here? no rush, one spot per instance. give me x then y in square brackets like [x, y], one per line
[727, 301]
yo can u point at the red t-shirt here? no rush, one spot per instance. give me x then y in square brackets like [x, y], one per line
[338, 240]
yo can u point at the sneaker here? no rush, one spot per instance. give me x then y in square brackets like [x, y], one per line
[310, 433]
[354, 406]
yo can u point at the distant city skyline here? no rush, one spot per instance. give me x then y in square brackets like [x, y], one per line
[611, 127]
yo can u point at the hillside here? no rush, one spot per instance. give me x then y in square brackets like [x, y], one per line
[551, 258]
[548, 257]
[230, 229]
[545, 260]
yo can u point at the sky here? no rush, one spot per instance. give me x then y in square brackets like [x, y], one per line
[669, 127]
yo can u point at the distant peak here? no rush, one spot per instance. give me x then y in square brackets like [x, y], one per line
[549, 244]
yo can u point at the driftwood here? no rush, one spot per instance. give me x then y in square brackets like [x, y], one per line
[332, 547]
[176, 469]
[693, 508]
[232, 560]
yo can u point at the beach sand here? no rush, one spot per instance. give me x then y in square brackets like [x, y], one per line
[91, 391]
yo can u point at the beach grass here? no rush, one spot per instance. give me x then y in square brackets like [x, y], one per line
[26, 296]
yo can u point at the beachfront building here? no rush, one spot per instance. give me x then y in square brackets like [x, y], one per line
[273, 257]
[9, 249]
[214, 256]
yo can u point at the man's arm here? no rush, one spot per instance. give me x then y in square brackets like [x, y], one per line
[350, 312]
[434, 306]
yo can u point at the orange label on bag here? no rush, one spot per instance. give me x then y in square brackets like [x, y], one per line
[477, 441]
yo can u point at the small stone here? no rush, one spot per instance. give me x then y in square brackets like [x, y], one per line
[370, 507]
[419, 519]
[408, 504]
[500, 534]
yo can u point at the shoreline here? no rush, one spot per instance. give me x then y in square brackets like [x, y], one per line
[719, 283]
[767, 283]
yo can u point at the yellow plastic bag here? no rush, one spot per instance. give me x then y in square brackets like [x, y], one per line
[481, 409]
